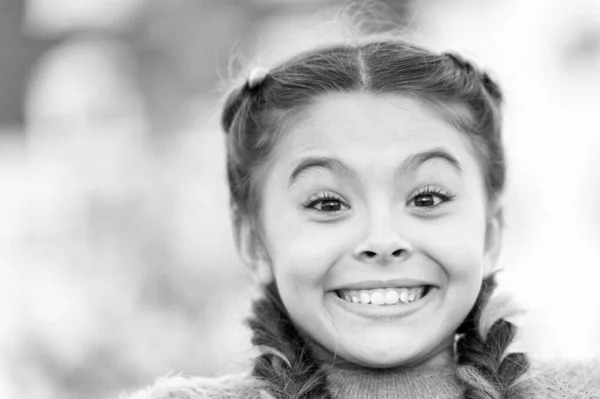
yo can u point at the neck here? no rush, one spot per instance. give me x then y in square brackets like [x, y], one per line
[420, 383]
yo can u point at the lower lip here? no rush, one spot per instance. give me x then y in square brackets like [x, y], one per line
[381, 312]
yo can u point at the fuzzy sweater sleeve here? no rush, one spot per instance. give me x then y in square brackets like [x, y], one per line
[177, 387]
[566, 380]
[550, 380]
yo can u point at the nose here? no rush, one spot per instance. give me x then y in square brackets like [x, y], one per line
[383, 245]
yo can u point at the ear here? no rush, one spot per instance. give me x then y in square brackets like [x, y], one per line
[493, 238]
[252, 252]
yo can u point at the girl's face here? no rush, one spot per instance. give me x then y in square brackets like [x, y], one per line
[374, 222]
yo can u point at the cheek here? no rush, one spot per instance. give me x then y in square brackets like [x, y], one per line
[457, 244]
[305, 251]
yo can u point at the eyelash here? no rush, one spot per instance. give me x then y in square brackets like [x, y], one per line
[438, 192]
[442, 194]
[323, 196]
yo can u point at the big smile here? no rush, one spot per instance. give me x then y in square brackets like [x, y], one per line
[383, 303]
[384, 296]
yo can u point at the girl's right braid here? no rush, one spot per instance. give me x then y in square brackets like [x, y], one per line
[285, 365]
[483, 368]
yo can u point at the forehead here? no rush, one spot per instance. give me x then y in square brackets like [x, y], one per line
[368, 127]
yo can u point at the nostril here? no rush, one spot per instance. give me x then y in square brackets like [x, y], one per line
[370, 254]
[397, 253]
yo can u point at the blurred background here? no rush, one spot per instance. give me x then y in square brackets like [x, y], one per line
[116, 259]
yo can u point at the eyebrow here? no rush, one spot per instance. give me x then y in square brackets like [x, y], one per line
[332, 164]
[414, 161]
[409, 165]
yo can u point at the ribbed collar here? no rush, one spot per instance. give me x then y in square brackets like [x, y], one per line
[366, 383]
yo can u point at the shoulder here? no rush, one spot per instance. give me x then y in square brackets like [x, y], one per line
[239, 386]
[560, 379]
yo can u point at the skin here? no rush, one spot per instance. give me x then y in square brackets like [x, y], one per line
[431, 223]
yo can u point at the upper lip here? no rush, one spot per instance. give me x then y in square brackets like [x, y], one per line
[396, 283]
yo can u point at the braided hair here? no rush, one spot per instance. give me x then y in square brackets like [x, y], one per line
[285, 363]
[484, 368]
[257, 112]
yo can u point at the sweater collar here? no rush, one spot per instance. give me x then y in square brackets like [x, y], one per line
[369, 383]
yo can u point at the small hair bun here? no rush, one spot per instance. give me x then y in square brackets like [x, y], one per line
[257, 75]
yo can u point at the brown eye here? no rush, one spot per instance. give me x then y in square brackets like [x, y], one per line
[331, 205]
[327, 203]
[426, 200]
[429, 197]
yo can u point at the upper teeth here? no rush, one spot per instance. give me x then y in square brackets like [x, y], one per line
[383, 296]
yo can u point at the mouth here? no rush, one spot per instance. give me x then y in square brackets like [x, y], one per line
[393, 296]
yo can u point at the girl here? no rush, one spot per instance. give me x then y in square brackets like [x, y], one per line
[366, 184]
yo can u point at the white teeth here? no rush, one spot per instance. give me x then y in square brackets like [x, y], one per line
[404, 296]
[391, 297]
[377, 298]
[365, 297]
[383, 296]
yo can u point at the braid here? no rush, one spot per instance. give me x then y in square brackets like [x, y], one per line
[471, 71]
[486, 98]
[245, 148]
[483, 367]
[491, 87]
[285, 364]
[241, 98]
[232, 105]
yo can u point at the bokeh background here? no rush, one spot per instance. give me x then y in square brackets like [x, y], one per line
[116, 259]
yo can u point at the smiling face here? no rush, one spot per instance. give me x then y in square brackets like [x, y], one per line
[369, 203]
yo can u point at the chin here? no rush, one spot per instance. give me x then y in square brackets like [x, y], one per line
[383, 358]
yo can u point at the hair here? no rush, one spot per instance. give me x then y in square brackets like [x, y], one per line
[259, 111]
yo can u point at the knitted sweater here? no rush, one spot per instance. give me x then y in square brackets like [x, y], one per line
[549, 381]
